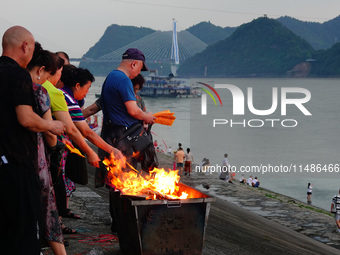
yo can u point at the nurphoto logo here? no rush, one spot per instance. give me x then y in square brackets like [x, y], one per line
[238, 108]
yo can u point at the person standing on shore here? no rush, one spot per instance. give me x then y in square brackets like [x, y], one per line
[40, 68]
[120, 110]
[118, 101]
[225, 173]
[20, 190]
[77, 82]
[63, 55]
[179, 158]
[60, 112]
[335, 208]
[189, 158]
[309, 193]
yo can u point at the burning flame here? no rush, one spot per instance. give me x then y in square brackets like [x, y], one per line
[159, 183]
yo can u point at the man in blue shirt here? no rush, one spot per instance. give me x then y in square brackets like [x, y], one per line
[118, 102]
[118, 97]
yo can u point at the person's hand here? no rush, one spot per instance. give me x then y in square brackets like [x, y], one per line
[145, 125]
[68, 142]
[93, 159]
[117, 153]
[58, 127]
[150, 119]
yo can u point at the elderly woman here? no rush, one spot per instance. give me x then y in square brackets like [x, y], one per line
[60, 112]
[40, 68]
[77, 82]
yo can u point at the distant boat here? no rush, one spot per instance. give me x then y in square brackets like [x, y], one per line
[160, 86]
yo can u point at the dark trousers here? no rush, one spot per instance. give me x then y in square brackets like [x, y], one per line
[111, 134]
[20, 214]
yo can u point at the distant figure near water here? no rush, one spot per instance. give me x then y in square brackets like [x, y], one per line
[225, 173]
[242, 179]
[250, 180]
[309, 193]
[335, 208]
[255, 183]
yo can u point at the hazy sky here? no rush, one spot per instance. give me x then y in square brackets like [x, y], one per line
[76, 25]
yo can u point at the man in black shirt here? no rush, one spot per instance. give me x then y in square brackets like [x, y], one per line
[19, 181]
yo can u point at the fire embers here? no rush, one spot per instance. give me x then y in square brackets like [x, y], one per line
[158, 184]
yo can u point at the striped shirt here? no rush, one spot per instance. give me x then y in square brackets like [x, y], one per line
[72, 104]
[336, 202]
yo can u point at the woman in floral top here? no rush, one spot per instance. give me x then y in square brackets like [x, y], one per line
[40, 68]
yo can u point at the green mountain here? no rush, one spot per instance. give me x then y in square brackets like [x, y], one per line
[209, 33]
[116, 37]
[327, 62]
[319, 35]
[263, 47]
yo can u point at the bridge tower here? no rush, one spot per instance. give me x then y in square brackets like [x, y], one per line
[174, 49]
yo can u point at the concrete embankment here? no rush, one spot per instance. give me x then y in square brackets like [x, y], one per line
[313, 222]
[243, 220]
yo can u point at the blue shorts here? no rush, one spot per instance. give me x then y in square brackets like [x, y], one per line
[179, 164]
[337, 216]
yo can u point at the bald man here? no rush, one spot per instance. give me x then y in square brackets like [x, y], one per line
[121, 112]
[19, 182]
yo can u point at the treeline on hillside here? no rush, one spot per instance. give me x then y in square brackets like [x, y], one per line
[319, 35]
[209, 33]
[263, 47]
[116, 37]
[327, 62]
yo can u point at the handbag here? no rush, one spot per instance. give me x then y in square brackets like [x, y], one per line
[76, 169]
[55, 161]
[136, 138]
[149, 159]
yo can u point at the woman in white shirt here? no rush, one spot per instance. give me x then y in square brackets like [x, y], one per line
[188, 162]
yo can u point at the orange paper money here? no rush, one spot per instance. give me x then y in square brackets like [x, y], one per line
[166, 120]
[165, 117]
[74, 150]
[163, 113]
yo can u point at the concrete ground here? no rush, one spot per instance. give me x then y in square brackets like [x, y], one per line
[242, 220]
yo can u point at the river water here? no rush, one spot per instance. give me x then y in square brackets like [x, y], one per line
[285, 152]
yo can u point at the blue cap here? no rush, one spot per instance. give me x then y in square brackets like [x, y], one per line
[136, 54]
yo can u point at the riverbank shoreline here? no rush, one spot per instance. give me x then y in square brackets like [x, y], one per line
[242, 220]
[299, 216]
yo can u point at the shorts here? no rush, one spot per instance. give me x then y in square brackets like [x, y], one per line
[309, 193]
[337, 217]
[179, 164]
